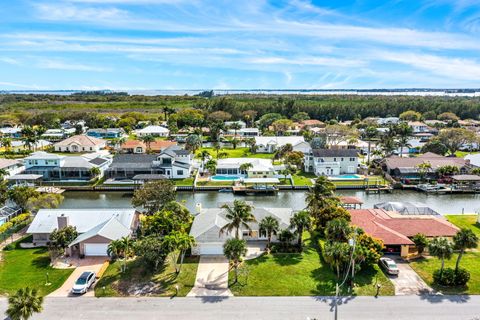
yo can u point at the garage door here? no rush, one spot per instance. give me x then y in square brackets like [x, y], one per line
[96, 249]
[211, 249]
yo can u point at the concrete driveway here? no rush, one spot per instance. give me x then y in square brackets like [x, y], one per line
[88, 264]
[212, 277]
[408, 282]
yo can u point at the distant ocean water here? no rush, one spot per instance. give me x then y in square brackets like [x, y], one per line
[383, 92]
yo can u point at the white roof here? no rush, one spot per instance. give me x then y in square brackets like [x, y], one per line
[258, 164]
[153, 129]
[41, 155]
[474, 159]
[45, 220]
[279, 141]
[8, 130]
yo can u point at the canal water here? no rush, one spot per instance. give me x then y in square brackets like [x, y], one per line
[444, 204]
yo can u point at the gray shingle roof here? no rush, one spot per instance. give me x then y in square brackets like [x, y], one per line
[348, 153]
[111, 229]
[135, 161]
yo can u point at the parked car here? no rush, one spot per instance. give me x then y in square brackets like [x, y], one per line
[84, 282]
[389, 266]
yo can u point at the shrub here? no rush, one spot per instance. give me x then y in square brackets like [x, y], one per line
[451, 278]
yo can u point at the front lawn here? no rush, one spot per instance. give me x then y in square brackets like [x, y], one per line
[28, 267]
[304, 274]
[236, 153]
[138, 280]
[470, 260]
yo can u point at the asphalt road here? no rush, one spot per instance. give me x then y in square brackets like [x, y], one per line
[274, 308]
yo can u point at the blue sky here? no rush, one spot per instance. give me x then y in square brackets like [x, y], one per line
[193, 44]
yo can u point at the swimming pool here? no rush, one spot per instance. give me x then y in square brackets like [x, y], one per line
[224, 178]
[347, 177]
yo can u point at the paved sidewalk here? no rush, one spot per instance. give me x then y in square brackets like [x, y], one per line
[212, 277]
[408, 282]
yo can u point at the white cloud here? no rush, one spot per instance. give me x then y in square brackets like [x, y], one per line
[320, 61]
[9, 60]
[59, 12]
[68, 66]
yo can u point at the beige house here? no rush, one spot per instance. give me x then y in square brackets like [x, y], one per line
[80, 143]
[96, 228]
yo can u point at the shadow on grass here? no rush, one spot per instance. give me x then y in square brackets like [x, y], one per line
[41, 262]
[287, 259]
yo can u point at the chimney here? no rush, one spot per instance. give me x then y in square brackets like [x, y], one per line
[198, 208]
[62, 221]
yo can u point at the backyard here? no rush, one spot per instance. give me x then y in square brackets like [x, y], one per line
[470, 261]
[304, 274]
[29, 267]
[138, 280]
[236, 153]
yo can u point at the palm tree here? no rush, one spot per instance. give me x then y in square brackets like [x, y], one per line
[115, 249]
[321, 195]
[211, 166]
[388, 145]
[370, 134]
[193, 142]
[269, 225]
[148, 139]
[167, 110]
[235, 126]
[216, 147]
[336, 254]
[6, 143]
[464, 239]
[239, 216]
[245, 166]
[95, 172]
[234, 250]
[23, 304]
[203, 155]
[178, 243]
[222, 155]
[423, 168]
[300, 221]
[338, 230]
[3, 173]
[442, 249]
[252, 143]
[403, 131]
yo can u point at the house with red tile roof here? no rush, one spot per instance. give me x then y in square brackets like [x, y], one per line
[396, 230]
[137, 146]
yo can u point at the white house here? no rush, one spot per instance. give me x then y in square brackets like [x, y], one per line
[96, 227]
[474, 159]
[80, 143]
[261, 168]
[245, 132]
[208, 222]
[156, 131]
[331, 162]
[58, 134]
[175, 162]
[12, 167]
[271, 144]
[419, 127]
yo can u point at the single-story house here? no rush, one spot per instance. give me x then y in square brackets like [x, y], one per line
[267, 144]
[58, 134]
[11, 132]
[261, 168]
[96, 227]
[137, 146]
[80, 143]
[156, 131]
[406, 208]
[407, 168]
[208, 222]
[396, 230]
[332, 162]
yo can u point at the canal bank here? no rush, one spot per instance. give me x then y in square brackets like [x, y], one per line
[444, 204]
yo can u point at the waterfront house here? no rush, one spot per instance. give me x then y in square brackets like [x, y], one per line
[173, 162]
[110, 133]
[419, 127]
[396, 230]
[241, 123]
[80, 143]
[332, 162]
[244, 132]
[96, 228]
[11, 132]
[54, 167]
[155, 131]
[266, 144]
[407, 168]
[11, 166]
[406, 208]
[208, 222]
[58, 134]
[137, 146]
[261, 168]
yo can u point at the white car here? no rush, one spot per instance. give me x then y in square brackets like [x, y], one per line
[84, 282]
[389, 265]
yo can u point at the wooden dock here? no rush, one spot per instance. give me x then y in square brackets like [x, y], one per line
[378, 189]
[254, 191]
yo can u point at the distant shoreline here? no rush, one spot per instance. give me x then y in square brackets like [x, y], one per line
[466, 92]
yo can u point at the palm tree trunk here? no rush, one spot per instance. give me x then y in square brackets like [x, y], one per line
[441, 268]
[300, 232]
[368, 155]
[182, 256]
[237, 234]
[457, 264]
[338, 271]
[236, 272]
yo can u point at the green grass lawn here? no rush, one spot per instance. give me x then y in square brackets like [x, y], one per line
[118, 284]
[236, 153]
[466, 221]
[184, 182]
[28, 267]
[371, 180]
[209, 183]
[303, 274]
[303, 179]
[470, 261]
[462, 154]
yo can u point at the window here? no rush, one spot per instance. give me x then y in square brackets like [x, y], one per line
[341, 159]
[334, 159]
[180, 172]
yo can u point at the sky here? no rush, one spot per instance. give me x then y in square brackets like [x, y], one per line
[247, 44]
